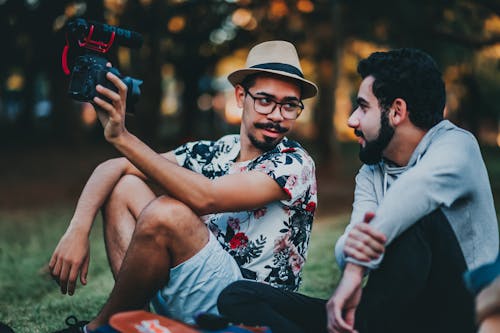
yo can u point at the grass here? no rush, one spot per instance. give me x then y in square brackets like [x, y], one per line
[31, 302]
[321, 272]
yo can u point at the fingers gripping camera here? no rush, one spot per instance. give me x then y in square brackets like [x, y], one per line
[92, 40]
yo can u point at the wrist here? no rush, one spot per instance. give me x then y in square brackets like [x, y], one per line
[121, 139]
[77, 227]
[353, 271]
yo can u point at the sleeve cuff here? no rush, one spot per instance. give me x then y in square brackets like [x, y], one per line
[374, 264]
[479, 278]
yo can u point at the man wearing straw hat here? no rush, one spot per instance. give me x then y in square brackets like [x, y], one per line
[239, 207]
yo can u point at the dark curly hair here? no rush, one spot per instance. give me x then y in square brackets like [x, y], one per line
[409, 74]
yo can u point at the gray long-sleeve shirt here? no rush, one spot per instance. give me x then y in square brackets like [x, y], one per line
[445, 171]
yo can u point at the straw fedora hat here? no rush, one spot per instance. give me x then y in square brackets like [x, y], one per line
[276, 57]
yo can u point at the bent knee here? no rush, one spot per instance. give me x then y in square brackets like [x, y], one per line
[126, 188]
[164, 214]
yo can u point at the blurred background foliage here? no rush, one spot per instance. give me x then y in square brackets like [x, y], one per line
[190, 46]
[50, 143]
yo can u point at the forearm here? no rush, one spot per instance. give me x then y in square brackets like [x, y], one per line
[341, 307]
[185, 185]
[96, 191]
[354, 272]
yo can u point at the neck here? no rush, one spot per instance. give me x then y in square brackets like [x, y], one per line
[403, 144]
[247, 154]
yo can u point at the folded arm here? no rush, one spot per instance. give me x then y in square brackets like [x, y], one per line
[441, 177]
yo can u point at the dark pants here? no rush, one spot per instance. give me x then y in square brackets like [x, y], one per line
[417, 288]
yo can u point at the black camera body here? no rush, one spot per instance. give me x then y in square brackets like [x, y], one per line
[91, 40]
[89, 71]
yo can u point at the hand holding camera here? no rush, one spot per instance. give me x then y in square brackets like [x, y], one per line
[91, 41]
[111, 106]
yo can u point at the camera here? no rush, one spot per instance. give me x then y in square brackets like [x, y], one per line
[91, 41]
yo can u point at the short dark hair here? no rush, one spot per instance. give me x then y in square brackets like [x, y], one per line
[412, 75]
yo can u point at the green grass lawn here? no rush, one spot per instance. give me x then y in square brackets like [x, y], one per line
[31, 302]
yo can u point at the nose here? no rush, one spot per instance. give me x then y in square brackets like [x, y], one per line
[275, 115]
[353, 121]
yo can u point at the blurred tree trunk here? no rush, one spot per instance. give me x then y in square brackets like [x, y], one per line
[468, 112]
[329, 63]
[189, 74]
[148, 110]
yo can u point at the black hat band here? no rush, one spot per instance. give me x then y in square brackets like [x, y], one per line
[277, 66]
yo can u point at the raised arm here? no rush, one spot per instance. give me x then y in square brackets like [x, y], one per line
[201, 194]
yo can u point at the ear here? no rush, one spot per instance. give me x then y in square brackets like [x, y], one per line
[398, 112]
[239, 93]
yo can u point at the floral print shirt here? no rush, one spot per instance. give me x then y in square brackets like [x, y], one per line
[269, 243]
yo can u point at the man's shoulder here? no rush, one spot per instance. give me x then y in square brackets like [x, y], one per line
[287, 156]
[229, 139]
[288, 146]
[289, 151]
[222, 143]
[210, 151]
[454, 141]
[449, 131]
[369, 171]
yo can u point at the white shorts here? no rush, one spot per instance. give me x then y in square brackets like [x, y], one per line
[195, 284]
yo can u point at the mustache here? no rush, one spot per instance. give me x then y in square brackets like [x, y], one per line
[359, 133]
[277, 127]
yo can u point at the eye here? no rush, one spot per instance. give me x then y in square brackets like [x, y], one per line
[264, 101]
[291, 107]
[361, 107]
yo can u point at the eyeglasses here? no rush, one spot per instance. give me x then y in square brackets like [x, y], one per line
[266, 105]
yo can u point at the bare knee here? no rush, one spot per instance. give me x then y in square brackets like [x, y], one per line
[164, 216]
[171, 224]
[124, 189]
[130, 194]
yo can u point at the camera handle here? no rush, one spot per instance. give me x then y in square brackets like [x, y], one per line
[95, 45]
[88, 43]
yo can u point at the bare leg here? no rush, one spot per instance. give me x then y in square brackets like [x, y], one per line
[167, 234]
[120, 213]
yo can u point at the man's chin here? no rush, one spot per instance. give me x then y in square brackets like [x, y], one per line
[266, 144]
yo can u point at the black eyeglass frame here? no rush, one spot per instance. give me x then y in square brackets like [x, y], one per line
[276, 103]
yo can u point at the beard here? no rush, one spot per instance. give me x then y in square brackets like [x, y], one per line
[268, 143]
[371, 153]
